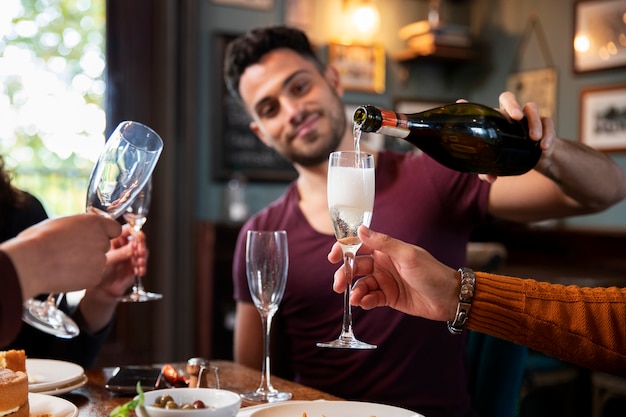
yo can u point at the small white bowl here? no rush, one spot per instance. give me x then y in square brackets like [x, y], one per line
[219, 403]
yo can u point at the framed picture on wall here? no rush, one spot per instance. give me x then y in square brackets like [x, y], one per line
[538, 85]
[603, 118]
[599, 29]
[252, 4]
[361, 67]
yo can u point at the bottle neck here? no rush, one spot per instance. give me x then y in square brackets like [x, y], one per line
[394, 124]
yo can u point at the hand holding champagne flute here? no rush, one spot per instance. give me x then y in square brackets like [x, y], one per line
[123, 168]
[351, 203]
[136, 215]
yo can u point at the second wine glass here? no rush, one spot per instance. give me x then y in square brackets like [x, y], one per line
[351, 203]
[136, 215]
[267, 261]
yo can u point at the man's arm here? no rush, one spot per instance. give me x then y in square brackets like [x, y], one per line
[248, 348]
[569, 179]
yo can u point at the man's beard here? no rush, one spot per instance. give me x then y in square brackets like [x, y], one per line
[337, 129]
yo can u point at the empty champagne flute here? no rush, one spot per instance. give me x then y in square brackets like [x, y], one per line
[136, 215]
[122, 170]
[351, 203]
[267, 262]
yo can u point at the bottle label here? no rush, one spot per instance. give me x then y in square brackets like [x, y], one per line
[394, 131]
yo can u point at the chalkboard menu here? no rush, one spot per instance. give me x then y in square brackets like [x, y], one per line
[236, 148]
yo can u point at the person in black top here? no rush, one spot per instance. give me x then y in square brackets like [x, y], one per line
[94, 313]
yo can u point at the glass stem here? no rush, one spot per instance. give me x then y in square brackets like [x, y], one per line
[348, 264]
[266, 385]
[53, 300]
[138, 287]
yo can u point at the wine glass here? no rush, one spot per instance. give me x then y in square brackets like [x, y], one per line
[267, 261]
[46, 316]
[350, 202]
[136, 215]
[122, 170]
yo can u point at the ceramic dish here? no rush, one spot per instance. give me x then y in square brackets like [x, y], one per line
[61, 389]
[219, 402]
[47, 374]
[41, 404]
[332, 409]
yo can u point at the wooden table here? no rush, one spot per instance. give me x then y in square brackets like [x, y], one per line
[93, 400]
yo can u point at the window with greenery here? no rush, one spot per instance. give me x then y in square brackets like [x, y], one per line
[52, 120]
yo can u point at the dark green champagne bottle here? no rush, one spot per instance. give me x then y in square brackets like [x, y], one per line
[466, 137]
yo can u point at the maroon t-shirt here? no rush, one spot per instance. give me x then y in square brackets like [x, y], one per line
[418, 364]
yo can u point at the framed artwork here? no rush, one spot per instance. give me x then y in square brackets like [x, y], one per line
[252, 4]
[360, 67]
[603, 118]
[599, 28]
[299, 13]
[538, 86]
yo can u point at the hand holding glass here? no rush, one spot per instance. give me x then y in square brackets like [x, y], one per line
[123, 168]
[351, 203]
[267, 262]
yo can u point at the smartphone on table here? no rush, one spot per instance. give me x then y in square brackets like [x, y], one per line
[124, 379]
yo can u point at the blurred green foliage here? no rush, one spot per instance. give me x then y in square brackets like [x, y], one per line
[52, 55]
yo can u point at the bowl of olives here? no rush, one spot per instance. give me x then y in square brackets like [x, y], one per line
[190, 402]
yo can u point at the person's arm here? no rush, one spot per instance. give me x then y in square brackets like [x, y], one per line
[62, 254]
[248, 339]
[579, 325]
[56, 255]
[569, 179]
[99, 303]
[10, 301]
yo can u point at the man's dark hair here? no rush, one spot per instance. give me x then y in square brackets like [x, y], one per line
[249, 48]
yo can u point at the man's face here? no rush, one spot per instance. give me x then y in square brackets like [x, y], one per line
[295, 109]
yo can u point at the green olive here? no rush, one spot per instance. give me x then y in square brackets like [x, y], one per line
[171, 405]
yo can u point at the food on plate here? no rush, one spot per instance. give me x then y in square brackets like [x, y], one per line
[13, 359]
[13, 384]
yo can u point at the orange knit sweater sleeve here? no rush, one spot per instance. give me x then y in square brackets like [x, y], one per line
[583, 326]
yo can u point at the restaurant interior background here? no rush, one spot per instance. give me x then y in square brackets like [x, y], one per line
[164, 69]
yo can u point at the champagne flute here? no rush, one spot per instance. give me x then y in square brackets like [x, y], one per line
[136, 215]
[350, 202]
[123, 168]
[267, 261]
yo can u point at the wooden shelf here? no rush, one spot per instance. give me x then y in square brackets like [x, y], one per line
[438, 52]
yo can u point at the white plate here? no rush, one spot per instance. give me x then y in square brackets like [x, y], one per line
[62, 389]
[332, 409]
[46, 374]
[53, 406]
